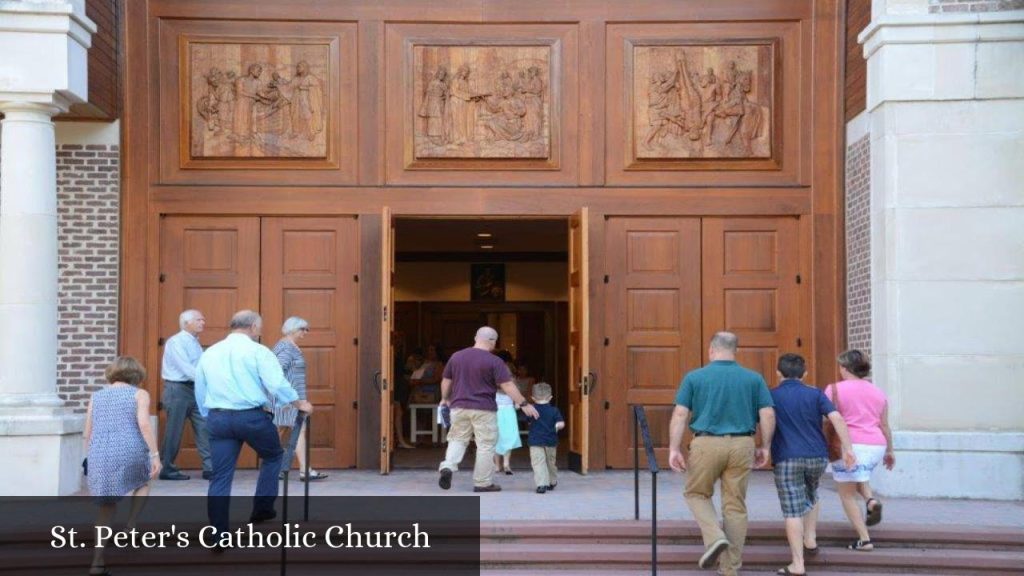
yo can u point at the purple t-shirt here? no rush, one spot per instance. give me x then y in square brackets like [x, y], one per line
[475, 375]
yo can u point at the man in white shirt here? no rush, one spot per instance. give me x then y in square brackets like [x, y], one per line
[236, 380]
[178, 397]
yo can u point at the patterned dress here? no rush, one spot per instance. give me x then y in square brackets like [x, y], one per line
[118, 456]
[294, 366]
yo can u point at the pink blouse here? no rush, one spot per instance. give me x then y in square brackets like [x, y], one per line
[861, 404]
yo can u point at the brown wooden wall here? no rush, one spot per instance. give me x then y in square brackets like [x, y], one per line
[858, 16]
[605, 140]
[104, 64]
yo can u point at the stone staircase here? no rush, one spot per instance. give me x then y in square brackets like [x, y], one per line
[624, 547]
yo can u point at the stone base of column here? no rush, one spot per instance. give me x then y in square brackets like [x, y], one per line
[42, 450]
[982, 465]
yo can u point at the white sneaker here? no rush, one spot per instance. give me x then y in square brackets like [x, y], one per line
[713, 552]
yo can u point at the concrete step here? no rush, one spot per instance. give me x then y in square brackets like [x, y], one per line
[830, 534]
[598, 557]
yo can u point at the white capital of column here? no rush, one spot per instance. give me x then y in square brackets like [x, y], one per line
[28, 257]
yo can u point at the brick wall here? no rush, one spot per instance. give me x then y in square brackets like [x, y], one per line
[946, 6]
[88, 223]
[858, 244]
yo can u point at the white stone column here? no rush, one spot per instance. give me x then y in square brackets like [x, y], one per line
[28, 257]
[946, 105]
[44, 69]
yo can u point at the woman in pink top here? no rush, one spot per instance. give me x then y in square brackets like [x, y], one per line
[864, 407]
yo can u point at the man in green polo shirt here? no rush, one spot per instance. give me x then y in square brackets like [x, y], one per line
[723, 403]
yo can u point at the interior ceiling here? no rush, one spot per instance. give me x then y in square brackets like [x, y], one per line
[428, 235]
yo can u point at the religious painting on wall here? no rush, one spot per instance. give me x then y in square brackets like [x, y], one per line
[703, 101]
[258, 100]
[487, 282]
[482, 101]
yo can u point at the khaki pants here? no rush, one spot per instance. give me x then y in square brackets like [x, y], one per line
[729, 459]
[542, 459]
[473, 425]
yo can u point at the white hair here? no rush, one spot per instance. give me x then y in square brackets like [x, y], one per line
[244, 319]
[725, 341]
[486, 333]
[188, 316]
[293, 324]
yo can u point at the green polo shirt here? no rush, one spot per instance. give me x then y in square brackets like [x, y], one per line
[723, 398]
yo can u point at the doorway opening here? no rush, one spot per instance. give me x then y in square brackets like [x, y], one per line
[452, 276]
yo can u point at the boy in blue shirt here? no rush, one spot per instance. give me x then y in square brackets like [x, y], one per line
[543, 439]
[800, 454]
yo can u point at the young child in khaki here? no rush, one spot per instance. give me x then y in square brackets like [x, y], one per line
[543, 439]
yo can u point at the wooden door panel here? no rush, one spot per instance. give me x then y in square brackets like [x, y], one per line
[387, 350]
[750, 287]
[210, 264]
[580, 379]
[653, 324]
[308, 270]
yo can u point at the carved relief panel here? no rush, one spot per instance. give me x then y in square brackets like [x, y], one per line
[482, 101]
[702, 101]
[467, 104]
[256, 100]
[692, 104]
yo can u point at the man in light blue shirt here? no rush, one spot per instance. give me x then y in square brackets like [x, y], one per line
[178, 397]
[236, 381]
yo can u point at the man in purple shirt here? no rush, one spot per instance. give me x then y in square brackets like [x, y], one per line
[470, 380]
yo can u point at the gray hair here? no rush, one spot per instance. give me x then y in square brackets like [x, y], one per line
[244, 320]
[486, 333]
[541, 390]
[293, 324]
[725, 341]
[188, 316]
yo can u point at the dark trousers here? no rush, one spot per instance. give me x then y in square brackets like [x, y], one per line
[179, 402]
[229, 429]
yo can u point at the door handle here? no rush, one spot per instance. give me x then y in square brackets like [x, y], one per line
[593, 382]
[376, 381]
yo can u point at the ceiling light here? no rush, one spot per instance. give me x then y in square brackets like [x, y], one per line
[486, 246]
[484, 235]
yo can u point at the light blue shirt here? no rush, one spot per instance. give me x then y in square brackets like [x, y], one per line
[239, 373]
[181, 354]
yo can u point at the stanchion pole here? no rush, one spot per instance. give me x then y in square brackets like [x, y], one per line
[305, 498]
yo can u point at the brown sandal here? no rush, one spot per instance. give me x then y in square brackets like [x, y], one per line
[873, 515]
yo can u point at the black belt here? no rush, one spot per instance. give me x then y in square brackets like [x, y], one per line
[699, 434]
[237, 409]
[183, 382]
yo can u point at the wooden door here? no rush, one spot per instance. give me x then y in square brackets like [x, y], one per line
[211, 264]
[652, 324]
[309, 268]
[387, 352]
[751, 288]
[580, 376]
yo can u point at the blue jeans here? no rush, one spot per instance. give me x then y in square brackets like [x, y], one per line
[228, 430]
[179, 402]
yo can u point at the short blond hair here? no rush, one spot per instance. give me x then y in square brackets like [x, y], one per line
[125, 369]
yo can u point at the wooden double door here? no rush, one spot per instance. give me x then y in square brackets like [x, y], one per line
[672, 283]
[280, 267]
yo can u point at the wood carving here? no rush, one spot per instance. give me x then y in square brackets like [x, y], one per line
[258, 100]
[482, 101]
[703, 101]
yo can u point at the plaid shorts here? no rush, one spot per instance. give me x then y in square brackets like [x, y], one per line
[796, 479]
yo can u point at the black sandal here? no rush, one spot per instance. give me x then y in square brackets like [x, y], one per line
[861, 546]
[873, 515]
[784, 571]
[811, 551]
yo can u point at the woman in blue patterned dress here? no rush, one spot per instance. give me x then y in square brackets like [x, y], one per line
[120, 445]
[294, 365]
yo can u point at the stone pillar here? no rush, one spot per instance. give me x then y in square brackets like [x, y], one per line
[946, 106]
[28, 257]
[44, 71]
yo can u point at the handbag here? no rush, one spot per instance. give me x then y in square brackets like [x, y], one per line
[835, 446]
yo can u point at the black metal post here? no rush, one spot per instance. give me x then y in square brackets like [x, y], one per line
[305, 502]
[654, 523]
[636, 465]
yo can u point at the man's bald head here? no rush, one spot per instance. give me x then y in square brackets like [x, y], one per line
[486, 338]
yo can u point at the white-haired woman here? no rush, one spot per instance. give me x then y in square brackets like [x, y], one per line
[294, 365]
